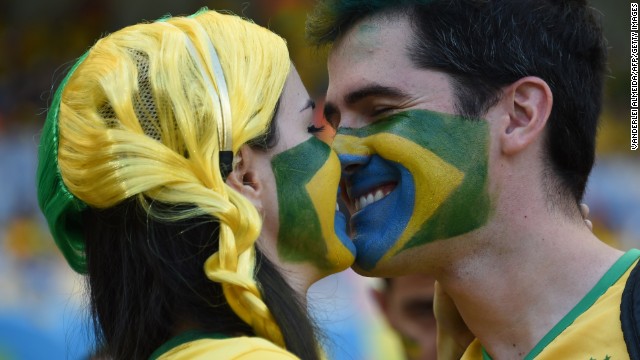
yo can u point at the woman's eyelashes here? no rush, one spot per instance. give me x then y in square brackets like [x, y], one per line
[312, 129]
[381, 111]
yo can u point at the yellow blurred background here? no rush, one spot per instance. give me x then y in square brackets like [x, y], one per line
[42, 313]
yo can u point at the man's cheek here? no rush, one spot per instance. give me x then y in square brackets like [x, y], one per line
[449, 163]
[445, 157]
[426, 183]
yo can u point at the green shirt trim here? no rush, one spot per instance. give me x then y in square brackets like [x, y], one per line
[184, 338]
[485, 356]
[610, 277]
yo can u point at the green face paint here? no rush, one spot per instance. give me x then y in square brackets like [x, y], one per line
[307, 177]
[367, 35]
[437, 164]
[365, 40]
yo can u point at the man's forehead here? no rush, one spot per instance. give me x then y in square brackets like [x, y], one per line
[366, 35]
[369, 36]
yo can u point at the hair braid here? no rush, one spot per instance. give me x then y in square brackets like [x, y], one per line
[135, 121]
[234, 264]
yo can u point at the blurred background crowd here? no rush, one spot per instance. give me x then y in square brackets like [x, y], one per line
[41, 306]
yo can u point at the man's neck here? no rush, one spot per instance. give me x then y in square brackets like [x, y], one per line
[524, 278]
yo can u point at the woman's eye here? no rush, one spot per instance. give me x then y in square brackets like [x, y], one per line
[380, 111]
[312, 129]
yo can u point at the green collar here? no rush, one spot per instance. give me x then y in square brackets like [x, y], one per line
[608, 279]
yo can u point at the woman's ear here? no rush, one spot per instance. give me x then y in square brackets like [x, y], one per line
[530, 102]
[245, 176]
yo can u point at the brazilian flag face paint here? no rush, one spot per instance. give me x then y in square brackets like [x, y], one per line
[311, 230]
[432, 167]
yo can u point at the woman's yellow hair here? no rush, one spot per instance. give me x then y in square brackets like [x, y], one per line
[136, 119]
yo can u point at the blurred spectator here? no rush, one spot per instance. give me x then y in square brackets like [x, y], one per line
[407, 304]
[351, 327]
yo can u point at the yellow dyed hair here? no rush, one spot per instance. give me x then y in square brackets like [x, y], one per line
[136, 119]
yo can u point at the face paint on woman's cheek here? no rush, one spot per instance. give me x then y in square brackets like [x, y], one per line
[445, 157]
[307, 177]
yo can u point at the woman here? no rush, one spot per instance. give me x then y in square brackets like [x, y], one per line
[169, 149]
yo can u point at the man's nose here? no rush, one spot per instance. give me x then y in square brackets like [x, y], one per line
[352, 163]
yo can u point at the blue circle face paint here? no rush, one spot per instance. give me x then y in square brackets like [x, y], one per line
[382, 190]
[432, 171]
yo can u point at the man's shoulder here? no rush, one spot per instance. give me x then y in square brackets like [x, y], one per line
[630, 313]
[605, 324]
[610, 328]
[593, 327]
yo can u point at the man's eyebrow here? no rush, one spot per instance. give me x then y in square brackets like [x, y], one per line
[331, 110]
[374, 90]
[310, 104]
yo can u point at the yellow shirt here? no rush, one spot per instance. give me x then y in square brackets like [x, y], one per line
[235, 348]
[591, 330]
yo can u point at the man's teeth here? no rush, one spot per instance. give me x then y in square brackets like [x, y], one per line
[368, 199]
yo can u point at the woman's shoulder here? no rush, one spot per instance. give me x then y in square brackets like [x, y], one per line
[236, 348]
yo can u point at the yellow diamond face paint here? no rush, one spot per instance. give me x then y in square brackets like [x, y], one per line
[311, 230]
[416, 177]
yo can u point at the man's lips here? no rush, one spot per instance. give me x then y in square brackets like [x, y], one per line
[370, 196]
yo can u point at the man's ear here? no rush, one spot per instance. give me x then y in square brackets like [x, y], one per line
[245, 177]
[529, 103]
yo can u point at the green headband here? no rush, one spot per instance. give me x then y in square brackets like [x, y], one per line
[61, 208]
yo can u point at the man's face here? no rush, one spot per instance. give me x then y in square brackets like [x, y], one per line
[413, 173]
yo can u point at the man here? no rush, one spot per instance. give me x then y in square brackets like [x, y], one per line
[407, 304]
[467, 132]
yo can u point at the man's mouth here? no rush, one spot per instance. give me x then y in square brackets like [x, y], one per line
[372, 195]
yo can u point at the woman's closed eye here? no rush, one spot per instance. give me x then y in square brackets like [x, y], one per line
[377, 111]
[312, 129]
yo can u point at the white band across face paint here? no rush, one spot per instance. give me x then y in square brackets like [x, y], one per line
[221, 96]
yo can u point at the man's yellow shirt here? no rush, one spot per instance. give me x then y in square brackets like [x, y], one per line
[591, 330]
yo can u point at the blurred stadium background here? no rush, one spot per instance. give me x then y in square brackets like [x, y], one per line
[41, 300]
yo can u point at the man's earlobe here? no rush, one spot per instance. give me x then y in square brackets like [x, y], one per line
[530, 101]
[244, 178]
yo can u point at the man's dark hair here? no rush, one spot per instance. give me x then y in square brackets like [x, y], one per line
[485, 45]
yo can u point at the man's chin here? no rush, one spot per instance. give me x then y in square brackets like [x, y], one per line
[360, 271]
[369, 263]
[382, 269]
[372, 243]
